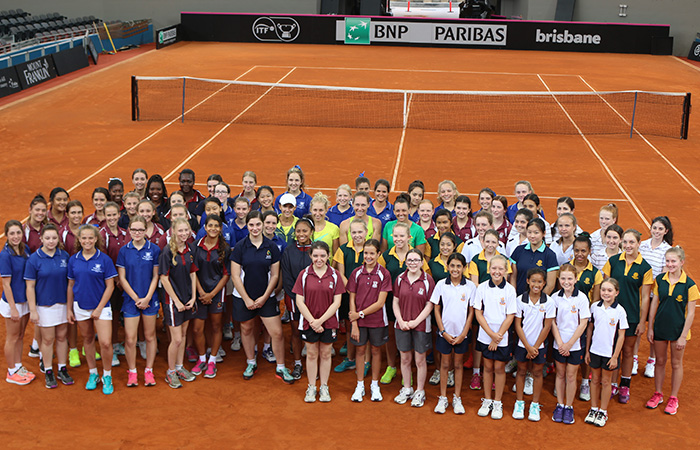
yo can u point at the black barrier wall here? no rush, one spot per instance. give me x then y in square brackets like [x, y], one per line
[465, 33]
[9, 82]
[70, 60]
[36, 71]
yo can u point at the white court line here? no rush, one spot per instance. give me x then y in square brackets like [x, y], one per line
[681, 174]
[692, 66]
[422, 70]
[600, 159]
[473, 194]
[147, 138]
[397, 163]
[201, 147]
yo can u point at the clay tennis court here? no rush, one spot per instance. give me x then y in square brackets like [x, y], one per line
[79, 134]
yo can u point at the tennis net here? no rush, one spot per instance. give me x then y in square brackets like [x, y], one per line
[623, 112]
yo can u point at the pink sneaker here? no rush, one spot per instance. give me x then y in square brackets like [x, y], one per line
[18, 379]
[655, 400]
[672, 406]
[211, 370]
[476, 382]
[149, 379]
[614, 391]
[132, 379]
[624, 396]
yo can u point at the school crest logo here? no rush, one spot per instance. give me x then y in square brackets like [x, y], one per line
[635, 276]
[573, 309]
[612, 322]
[97, 268]
[502, 301]
[268, 255]
[679, 298]
[539, 263]
[148, 256]
[330, 285]
[464, 297]
[542, 309]
[375, 285]
[64, 263]
[420, 291]
[587, 280]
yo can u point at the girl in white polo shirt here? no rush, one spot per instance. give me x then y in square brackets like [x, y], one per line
[533, 321]
[568, 327]
[606, 336]
[494, 306]
[453, 314]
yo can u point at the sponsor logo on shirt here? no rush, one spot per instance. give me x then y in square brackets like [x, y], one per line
[97, 268]
[635, 276]
[148, 256]
[539, 263]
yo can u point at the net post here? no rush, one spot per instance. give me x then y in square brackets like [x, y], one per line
[686, 116]
[184, 80]
[634, 110]
[134, 98]
[405, 106]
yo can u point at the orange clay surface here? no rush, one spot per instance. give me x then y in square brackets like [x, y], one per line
[76, 132]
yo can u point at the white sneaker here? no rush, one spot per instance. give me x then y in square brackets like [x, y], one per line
[635, 365]
[375, 393]
[441, 406]
[534, 414]
[310, 396]
[519, 410]
[649, 369]
[511, 366]
[485, 407]
[529, 382]
[497, 410]
[236, 343]
[515, 387]
[585, 392]
[435, 379]
[324, 395]
[358, 394]
[405, 394]
[451, 378]
[418, 399]
[142, 349]
[118, 348]
[115, 360]
[303, 351]
[457, 405]
[228, 332]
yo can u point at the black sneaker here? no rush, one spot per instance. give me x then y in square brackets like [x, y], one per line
[33, 352]
[297, 371]
[41, 366]
[50, 379]
[64, 377]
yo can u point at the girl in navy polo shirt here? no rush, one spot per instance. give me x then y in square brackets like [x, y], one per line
[14, 307]
[91, 276]
[295, 186]
[258, 258]
[534, 253]
[266, 199]
[368, 286]
[572, 318]
[177, 274]
[137, 265]
[453, 313]
[45, 274]
[114, 238]
[211, 258]
[318, 289]
[412, 307]
[380, 207]
[100, 196]
[447, 192]
[296, 258]
[416, 191]
[494, 303]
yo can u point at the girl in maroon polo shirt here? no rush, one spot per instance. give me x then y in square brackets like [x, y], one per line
[154, 230]
[59, 199]
[100, 196]
[318, 291]
[32, 238]
[368, 286]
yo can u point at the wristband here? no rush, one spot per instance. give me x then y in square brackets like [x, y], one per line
[362, 314]
[441, 332]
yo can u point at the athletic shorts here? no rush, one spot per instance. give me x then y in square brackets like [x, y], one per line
[420, 341]
[215, 307]
[22, 309]
[173, 317]
[85, 314]
[291, 306]
[116, 301]
[344, 309]
[389, 308]
[575, 357]
[500, 354]
[376, 336]
[632, 330]
[601, 362]
[129, 308]
[446, 348]
[51, 316]
[241, 313]
[520, 355]
[327, 336]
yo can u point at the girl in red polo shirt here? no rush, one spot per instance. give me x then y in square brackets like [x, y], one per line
[318, 291]
[59, 199]
[100, 196]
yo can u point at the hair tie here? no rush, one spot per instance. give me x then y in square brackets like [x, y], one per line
[297, 167]
[362, 174]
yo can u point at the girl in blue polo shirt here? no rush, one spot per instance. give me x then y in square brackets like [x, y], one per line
[137, 265]
[380, 206]
[177, 274]
[91, 276]
[211, 258]
[45, 274]
[259, 259]
[343, 207]
[534, 253]
[295, 187]
[14, 307]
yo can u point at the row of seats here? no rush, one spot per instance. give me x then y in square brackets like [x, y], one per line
[13, 13]
[44, 26]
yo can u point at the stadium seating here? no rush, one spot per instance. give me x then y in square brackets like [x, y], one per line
[18, 25]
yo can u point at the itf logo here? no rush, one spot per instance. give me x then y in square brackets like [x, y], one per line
[357, 30]
[277, 29]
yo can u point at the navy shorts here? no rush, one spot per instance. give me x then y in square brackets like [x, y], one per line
[601, 362]
[575, 357]
[632, 330]
[500, 354]
[215, 307]
[344, 309]
[327, 336]
[241, 313]
[116, 301]
[129, 308]
[520, 355]
[174, 318]
[446, 348]
[290, 304]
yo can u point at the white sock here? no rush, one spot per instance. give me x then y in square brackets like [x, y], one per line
[297, 362]
[93, 371]
[361, 383]
[61, 366]
[106, 373]
[651, 360]
[584, 382]
[477, 371]
[48, 368]
[212, 359]
[178, 366]
[265, 347]
[280, 366]
[35, 344]
[17, 367]
[251, 361]
[375, 383]
[132, 370]
[203, 357]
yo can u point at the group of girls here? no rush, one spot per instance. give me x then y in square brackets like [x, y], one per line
[496, 288]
